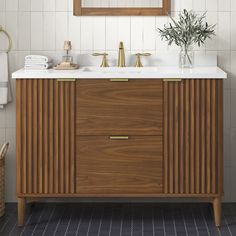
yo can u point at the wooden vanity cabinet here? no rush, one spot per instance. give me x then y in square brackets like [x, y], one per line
[103, 138]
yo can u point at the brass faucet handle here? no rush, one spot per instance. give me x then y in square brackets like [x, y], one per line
[145, 54]
[96, 54]
[104, 59]
[138, 60]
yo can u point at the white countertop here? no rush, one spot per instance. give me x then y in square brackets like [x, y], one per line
[163, 72]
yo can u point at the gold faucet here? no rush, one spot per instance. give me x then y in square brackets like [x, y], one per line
[121, 55]
[138, 60]
[104, 59]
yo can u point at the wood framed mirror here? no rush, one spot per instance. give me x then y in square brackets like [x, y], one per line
[121, 7]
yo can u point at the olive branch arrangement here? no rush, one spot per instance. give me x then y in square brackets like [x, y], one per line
[188, 30]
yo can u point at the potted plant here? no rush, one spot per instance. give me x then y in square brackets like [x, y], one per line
[190, 29]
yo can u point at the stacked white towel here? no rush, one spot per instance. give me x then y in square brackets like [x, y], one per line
[37, 62]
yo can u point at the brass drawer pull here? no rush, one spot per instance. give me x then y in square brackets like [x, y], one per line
[65, 80]
[119, 80]
[172, 80]
[119, 137]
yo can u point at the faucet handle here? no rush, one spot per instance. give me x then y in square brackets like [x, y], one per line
[138, 60]
[104, 59]
[100, 54]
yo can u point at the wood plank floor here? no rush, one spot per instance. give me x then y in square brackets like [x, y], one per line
[123, 219]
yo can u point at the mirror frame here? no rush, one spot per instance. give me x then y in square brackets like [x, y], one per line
[94, 11]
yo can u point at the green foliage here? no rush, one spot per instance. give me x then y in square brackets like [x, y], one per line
[189, 29]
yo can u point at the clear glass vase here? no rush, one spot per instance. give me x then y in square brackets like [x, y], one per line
[186, 57]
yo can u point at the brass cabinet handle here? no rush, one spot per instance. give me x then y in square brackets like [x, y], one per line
[119, 137]
[172, 80]
[65, 80]
[119, 80]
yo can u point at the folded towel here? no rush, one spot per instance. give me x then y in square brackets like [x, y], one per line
[38, 58]
[38, 66]
[36, 62]
[5, 86]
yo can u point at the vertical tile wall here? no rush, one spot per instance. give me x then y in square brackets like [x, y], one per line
[41, 26]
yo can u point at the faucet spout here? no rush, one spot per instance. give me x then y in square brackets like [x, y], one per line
[121, 55]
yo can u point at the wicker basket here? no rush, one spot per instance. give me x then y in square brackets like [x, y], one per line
[3, 152]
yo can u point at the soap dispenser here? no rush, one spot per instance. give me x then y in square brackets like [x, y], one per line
[67, 59]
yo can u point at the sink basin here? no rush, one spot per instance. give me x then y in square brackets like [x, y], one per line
[119, 70]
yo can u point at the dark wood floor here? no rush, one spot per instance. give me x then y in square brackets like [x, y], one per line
[123, 219]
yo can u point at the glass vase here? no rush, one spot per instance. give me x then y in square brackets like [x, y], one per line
[186, 57]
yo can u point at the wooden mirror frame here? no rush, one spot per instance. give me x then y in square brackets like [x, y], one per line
[94, 11]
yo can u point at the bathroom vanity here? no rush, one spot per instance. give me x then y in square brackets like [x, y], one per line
[150, 132]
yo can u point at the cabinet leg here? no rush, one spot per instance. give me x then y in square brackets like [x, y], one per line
[21, 211]
[217, 211]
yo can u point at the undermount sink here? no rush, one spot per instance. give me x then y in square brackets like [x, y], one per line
[119, 70]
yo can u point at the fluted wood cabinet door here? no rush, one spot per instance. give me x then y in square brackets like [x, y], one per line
[193, 137]
[45, 137]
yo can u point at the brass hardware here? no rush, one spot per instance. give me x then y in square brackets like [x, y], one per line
[9, 38]
[66, 80]
[138, 60]
[121, 55]
[104, 59]
[119, 80]
[172, 80]
[119, 137]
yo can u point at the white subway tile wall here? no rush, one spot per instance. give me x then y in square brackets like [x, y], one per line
[42, 26]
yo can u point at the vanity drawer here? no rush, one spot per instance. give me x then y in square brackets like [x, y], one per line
[134, 107]
[117, 166]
